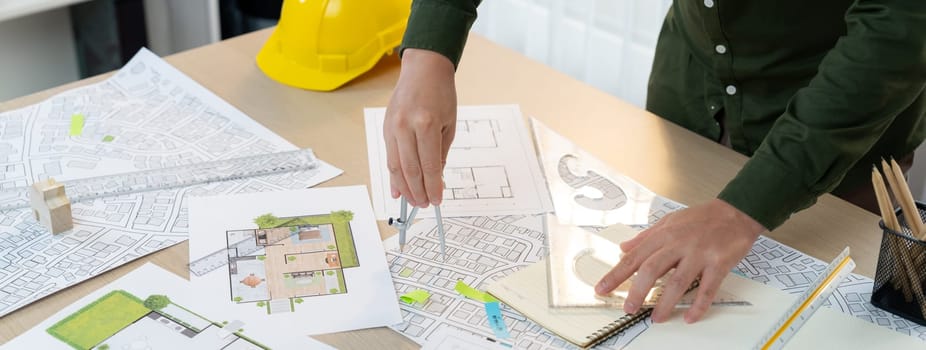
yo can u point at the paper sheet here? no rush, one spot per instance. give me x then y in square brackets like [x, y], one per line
[491, 169]
[320, 269]
[158, 118]
[123, 315]
[743, 327]
[448, 338]
[482, 249]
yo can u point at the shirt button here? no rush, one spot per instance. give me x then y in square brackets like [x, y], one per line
[720, 49]
[709, 3]
[731, 90]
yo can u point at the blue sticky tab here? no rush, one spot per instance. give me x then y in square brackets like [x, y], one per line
[496, 321]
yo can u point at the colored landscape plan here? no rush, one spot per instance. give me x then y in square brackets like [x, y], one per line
[284, 258]
[151, 308]
[491, 169]
[486, 248]
[291, 258]
[147, 116]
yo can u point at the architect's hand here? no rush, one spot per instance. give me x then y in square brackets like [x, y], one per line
[420, 125]
[707, 240]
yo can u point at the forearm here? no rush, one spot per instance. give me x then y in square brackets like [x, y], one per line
[441, 26]
[872, 74]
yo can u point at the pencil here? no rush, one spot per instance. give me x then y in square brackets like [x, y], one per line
[911, 213]
[901, 279]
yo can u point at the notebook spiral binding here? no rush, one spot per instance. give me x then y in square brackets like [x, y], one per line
[619, 325]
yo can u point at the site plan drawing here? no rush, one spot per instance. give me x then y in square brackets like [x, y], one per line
[491, 169]
[486, 248]
[151, 308]
[146, 116]
[285, 258]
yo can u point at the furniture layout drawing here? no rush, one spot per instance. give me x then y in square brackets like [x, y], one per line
[120, 320]
[476, 183]
[160, 118]
[304, 262]
[289, 259]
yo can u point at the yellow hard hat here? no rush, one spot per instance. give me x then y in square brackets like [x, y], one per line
[322, 44]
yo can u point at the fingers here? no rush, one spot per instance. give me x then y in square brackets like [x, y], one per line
[628, 265]
[431, 156]
[447, 135]
[710, 283]
[411, 168]
[674, 289]
[652, 269]
[396, 179]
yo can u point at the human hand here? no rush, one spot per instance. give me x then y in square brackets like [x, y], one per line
[707, 240]
[420, 124]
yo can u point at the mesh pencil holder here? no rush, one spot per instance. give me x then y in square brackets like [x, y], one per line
[900, 280]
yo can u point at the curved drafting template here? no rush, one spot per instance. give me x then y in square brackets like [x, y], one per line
[491, 169]
[578, 259]
[586, 192]
[158, 118]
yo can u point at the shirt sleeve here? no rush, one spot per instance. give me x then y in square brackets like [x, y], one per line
[871, 75]
[441, 26]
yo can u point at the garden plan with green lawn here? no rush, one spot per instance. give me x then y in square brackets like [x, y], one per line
[310, 261]
[151, 308]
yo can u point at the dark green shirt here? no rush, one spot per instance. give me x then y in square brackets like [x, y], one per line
[815, 92]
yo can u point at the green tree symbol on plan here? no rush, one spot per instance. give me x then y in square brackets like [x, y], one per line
[156, 302]
[342, 215]
[266, 221]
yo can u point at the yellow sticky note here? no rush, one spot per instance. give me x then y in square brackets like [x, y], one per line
[419, 296]
[473, 293]
[77, 125]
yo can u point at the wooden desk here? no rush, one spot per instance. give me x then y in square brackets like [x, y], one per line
[662, 156]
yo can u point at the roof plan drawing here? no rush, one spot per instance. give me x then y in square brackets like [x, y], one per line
[491, 169]
[148, 115]
[151, 308]
[284, 258]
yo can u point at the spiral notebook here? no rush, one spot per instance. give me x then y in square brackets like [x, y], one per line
[526, 291]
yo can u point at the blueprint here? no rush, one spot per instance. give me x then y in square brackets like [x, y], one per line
[486, 248]
[491, 169]
[148, 115]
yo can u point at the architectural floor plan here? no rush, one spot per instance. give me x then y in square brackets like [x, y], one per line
[148, 115]
[489, 182]
[301, 261]
[491, 168]
[298, 258]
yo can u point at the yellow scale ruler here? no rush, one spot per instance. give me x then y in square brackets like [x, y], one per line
[808, 303]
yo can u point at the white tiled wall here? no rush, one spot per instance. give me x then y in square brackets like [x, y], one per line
[608, 44]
